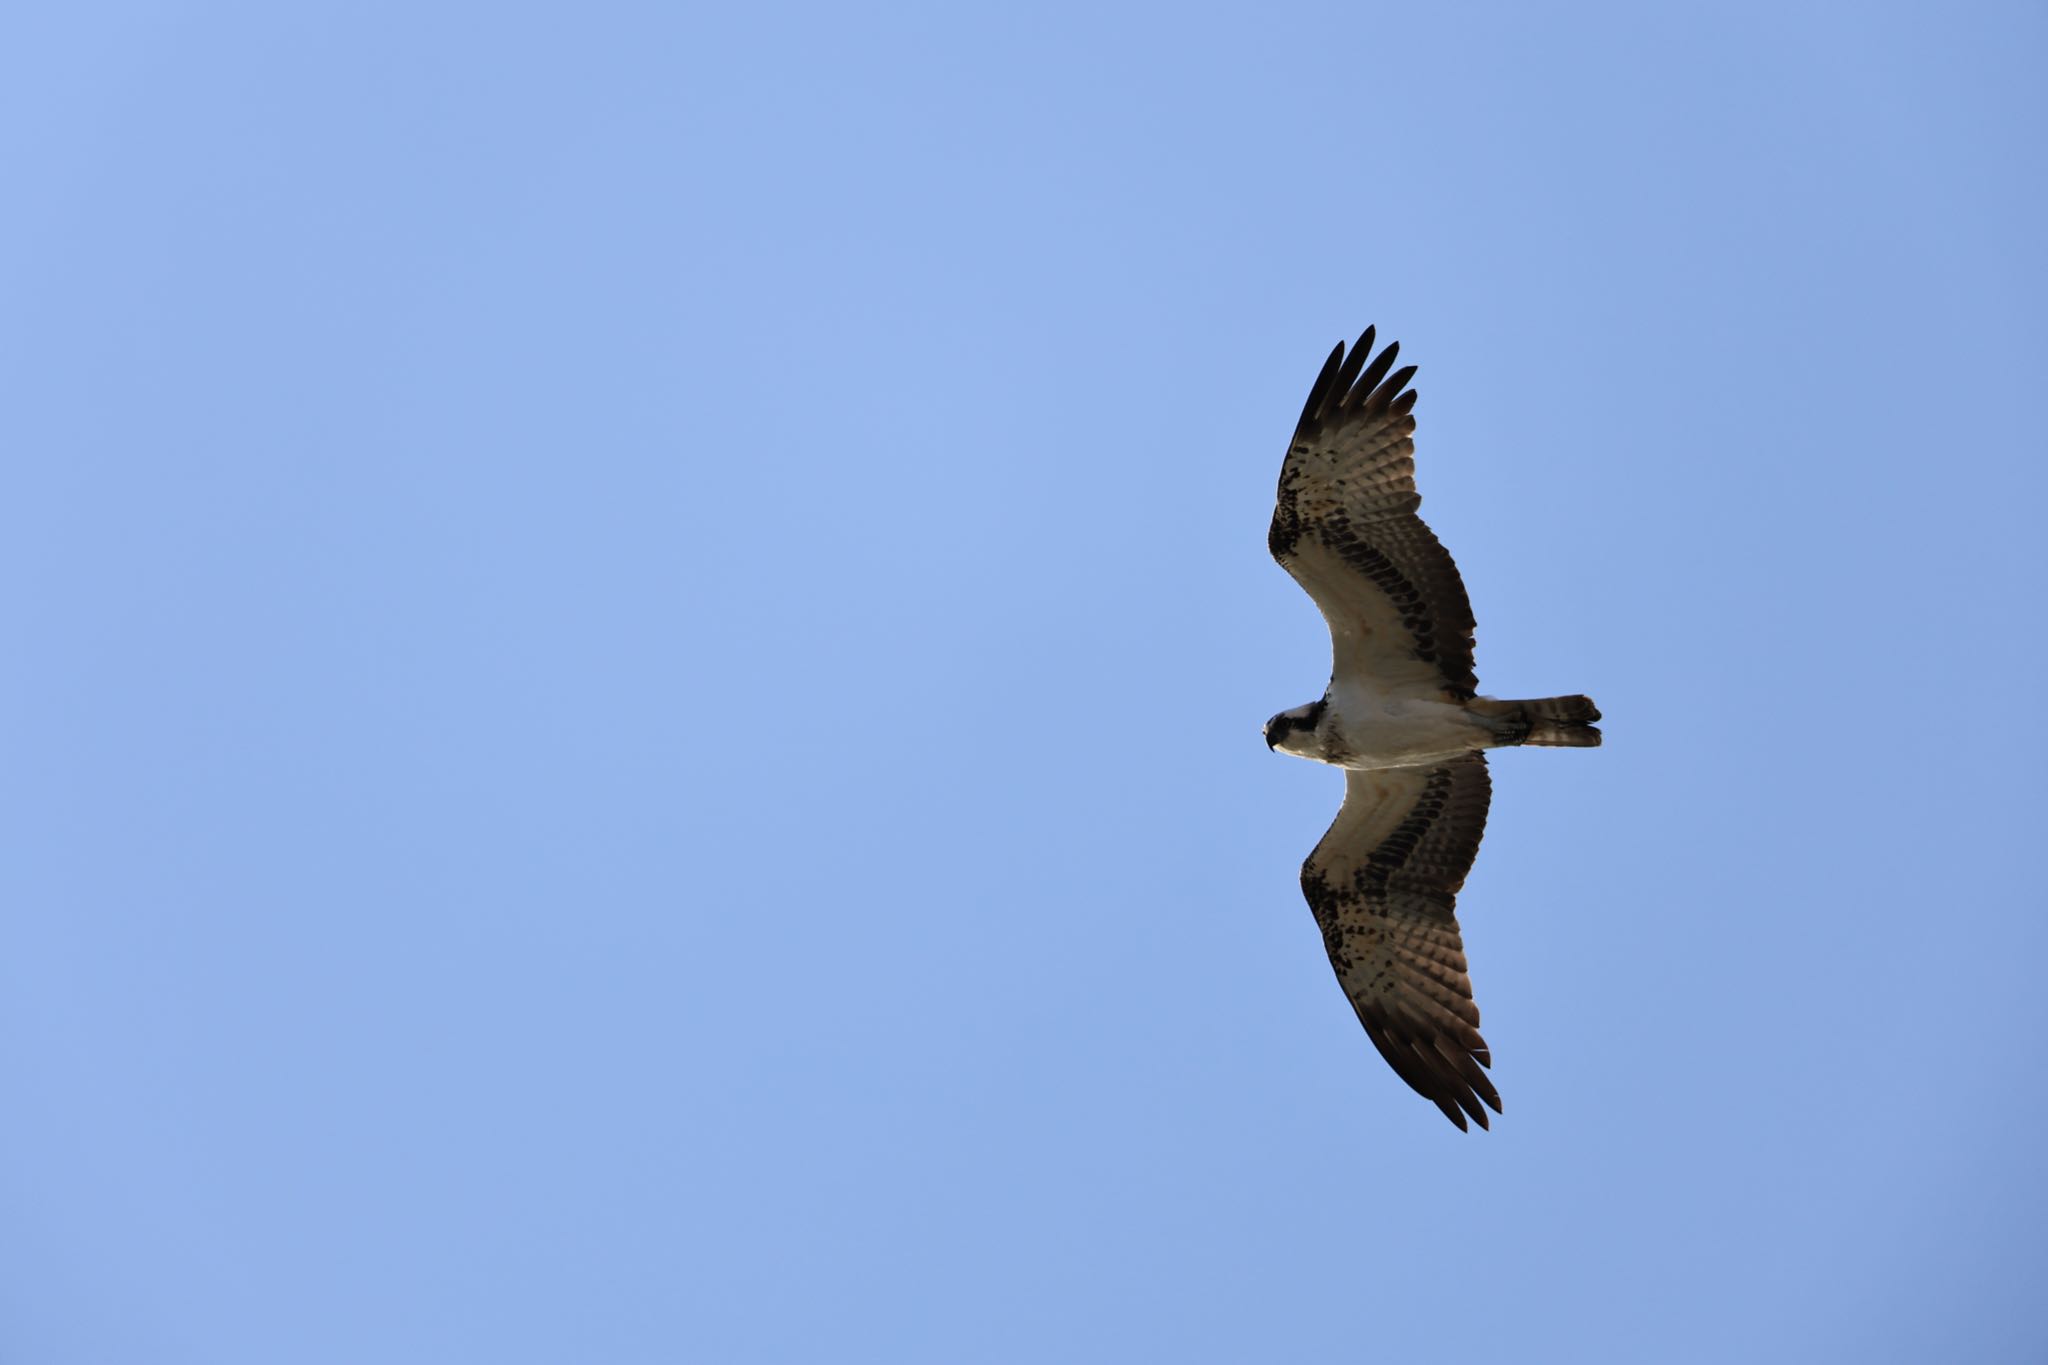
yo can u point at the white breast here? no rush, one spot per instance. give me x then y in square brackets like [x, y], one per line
[1383, 730]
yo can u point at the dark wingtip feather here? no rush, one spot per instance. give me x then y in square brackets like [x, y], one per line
[1374, 372]
[1347, 375]
[1318, 394]
[1351, 381]
[1469, 1102]
[1445, 1070]
[1387, 392]
[1466, 1064]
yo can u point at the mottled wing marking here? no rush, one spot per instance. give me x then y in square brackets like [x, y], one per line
[1345, 526]
[1383, 883]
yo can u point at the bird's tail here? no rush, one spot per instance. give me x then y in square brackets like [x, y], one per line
[1556, 722]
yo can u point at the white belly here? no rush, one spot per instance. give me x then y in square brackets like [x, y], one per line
[1381, 731]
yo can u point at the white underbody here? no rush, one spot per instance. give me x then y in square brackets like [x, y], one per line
[1364, 729]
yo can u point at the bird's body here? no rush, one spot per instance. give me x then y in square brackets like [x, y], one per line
[1403, 717]
[1362, 726]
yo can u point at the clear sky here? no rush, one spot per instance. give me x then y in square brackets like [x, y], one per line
[636, 636]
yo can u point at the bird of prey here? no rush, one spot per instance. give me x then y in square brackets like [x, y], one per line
[1403, 718]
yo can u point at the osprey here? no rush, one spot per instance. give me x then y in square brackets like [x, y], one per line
[1403, 718]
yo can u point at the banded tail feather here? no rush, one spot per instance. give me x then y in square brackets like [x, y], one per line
[1561, 722]
[1549, 722]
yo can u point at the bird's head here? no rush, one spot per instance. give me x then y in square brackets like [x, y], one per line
[1290, 731]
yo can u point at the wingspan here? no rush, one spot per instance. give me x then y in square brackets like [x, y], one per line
[1383, 883]
[1345, 527]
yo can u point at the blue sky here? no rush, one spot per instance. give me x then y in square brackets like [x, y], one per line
[637, 638]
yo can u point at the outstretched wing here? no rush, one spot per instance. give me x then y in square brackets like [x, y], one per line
[1382, 884]
[1345, 527]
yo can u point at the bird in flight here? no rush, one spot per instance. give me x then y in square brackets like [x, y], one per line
[1403, 718]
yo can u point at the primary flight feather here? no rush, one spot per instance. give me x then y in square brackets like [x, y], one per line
[1403, 717]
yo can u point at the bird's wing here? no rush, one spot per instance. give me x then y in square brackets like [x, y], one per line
[1382, 884]
[1345, 527]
